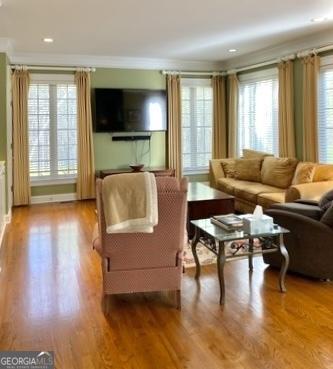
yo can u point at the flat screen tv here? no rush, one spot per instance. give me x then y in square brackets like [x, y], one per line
[129, 110]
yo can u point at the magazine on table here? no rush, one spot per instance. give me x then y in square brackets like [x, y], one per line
[229, 222]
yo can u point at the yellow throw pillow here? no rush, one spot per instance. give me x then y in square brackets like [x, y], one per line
[323, 172]
[278, 172]
[253, 154]
[248, 169]
[228, 166]
[304, 173]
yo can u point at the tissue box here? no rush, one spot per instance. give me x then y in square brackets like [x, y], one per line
[254, 225]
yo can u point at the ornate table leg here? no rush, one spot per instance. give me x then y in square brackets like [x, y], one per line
[251, 254]
[284, 265]
[220, 269]
[194, 243]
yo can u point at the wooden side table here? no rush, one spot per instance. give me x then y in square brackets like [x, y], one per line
[157, 171]
[204, 202]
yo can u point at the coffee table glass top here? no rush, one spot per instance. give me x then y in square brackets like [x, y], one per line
[221, 234]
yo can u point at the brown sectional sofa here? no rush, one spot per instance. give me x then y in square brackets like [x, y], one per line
[248, 194]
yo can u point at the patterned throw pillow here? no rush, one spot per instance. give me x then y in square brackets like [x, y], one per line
[304, 173]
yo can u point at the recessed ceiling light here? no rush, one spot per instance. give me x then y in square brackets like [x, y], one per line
[318, 19]
[48, 40]
[232, 50]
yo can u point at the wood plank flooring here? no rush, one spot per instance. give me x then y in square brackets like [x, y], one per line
[50, 299]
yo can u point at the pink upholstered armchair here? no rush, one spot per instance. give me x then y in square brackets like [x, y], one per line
[142, 262]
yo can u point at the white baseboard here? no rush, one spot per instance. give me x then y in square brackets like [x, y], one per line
[6, 220]
[8, 217]
[53, 198]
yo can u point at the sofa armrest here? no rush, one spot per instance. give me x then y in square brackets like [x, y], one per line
[215, 171]
[308, 191]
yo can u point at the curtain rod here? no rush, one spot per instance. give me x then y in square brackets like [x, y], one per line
[64, 69]
[263, 64]
[321, 49]
[183, 73]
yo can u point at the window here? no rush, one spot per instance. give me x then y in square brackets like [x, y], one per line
[52, 125]
[325, 111]
[197, 111]
[258, 112]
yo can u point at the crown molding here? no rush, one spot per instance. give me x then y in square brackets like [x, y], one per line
[111, 62]
[310, 41]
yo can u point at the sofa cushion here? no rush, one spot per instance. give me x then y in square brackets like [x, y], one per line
[278, 172]
[250, 190]
[323, 172]
[310, 211]
[226, 185]
[228, 166]
[266, 200]
[327, 218]
[254, 154]
[248, 169]
[304, 173]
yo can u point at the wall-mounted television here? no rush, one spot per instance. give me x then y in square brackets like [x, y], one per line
[129, 110]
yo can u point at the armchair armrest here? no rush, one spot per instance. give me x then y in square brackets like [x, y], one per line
[311, 211]
[308, 191]
[307, 202]
[303, 226]
[215, 171]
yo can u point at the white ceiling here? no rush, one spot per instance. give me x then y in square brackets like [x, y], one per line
[175, 29]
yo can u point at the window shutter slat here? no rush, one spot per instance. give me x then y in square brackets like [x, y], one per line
[52, 130]
[325, 114]
[258, 112]
[197, 112]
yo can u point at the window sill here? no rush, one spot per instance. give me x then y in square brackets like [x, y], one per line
[195, 172]
[52, 182]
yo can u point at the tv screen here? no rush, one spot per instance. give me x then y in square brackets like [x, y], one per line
[122, 110]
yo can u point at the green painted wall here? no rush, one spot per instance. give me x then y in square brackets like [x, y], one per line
[198, 177]
[3, 105]
[53, 190]
[3, 114]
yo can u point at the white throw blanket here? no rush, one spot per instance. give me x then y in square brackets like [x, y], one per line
[130, 203]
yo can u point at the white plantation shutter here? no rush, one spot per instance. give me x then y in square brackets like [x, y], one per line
[52, 126]
[197, 113]
[258, 112]
[325, 111]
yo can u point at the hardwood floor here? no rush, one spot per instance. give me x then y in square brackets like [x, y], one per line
[50, 299]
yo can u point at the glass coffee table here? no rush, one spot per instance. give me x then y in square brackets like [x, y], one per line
[235, 245]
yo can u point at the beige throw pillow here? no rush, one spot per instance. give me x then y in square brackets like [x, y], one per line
[253, 154]
[278, 172]
[228, 166]
[304, 173]
[248, 169]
